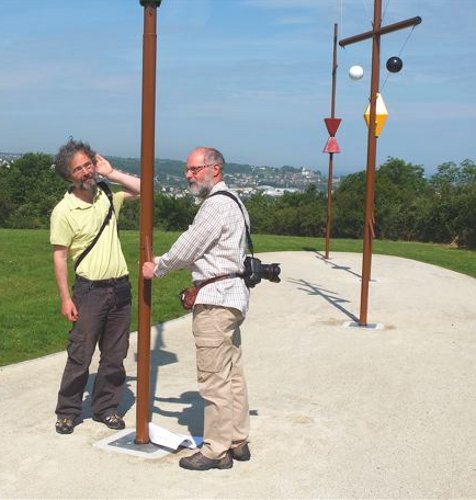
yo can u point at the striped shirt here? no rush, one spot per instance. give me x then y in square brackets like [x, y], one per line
[214, 244]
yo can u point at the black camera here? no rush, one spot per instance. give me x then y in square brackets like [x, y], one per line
[255, 272]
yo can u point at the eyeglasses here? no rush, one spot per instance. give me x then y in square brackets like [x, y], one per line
[197, 169]
[85, 166]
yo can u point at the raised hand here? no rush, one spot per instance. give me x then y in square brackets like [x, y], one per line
[103, 167]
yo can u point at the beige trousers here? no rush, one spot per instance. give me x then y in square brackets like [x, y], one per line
[221, 378]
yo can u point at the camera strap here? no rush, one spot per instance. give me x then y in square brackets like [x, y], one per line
[233, 197]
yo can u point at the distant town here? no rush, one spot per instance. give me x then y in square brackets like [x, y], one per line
[7, 158]
[246, 179]
[242, 178]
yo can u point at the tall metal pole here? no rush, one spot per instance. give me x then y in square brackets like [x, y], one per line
[334, 72]
[375, 34]
[331, 155]
[371, 160]
[149, 60]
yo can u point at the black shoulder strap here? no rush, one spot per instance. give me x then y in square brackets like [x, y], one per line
[105, 187]
[85, 252]
[233, 197]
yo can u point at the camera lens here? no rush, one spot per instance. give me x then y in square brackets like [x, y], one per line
[271, 272]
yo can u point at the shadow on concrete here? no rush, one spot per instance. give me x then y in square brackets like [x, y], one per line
[190, 405]
[191, 416]
[158, 357]
[128, 398]
[322, 257]
[328, 295]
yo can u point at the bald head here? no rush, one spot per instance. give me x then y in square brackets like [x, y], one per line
[204, 170]
[209, 156]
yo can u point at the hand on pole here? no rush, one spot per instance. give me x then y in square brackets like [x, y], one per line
[148, 270]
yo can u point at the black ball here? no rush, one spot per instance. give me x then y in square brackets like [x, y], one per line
[394, 64]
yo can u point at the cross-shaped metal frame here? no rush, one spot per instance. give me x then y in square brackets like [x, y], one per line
[377, 31]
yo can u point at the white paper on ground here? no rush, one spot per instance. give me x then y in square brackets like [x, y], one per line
[163, 437]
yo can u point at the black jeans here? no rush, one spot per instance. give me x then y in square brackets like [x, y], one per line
[104, 318]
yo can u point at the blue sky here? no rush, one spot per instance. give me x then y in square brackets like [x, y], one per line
[251, 77]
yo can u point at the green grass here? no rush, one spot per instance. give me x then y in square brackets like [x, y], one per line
[462, 261]
[31, 324]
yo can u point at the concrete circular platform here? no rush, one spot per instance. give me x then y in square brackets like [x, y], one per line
[336, 411]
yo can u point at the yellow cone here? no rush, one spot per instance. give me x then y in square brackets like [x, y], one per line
[381, 115]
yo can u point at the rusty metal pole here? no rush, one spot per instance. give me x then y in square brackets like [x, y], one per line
[375, 34]
[329, 204]
[149, 61]
[371, 161]
[331, 155]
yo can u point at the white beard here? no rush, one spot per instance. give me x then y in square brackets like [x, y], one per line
[200, 192]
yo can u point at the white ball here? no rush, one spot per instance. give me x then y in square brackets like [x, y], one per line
[356, 72]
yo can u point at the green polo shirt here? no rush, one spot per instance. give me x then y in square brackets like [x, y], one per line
[75, 223]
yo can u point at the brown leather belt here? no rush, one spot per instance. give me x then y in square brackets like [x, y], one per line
[201, 284]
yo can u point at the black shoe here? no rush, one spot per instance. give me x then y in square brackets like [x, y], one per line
[201, 462]
[64, 426]
[113, 421]
[241, 453]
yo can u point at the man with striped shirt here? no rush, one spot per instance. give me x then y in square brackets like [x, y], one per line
[215, 246]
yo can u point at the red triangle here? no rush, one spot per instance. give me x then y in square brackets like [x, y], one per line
[332, 125]
[331, 146]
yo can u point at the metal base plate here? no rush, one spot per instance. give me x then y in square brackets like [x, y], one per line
[368, 326]
[124, 442]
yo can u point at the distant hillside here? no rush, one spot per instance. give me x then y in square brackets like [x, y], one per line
[170, 174]
[175, 167]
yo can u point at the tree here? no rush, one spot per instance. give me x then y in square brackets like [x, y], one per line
[31, 189]
[399, 186]
[453, 189]
[348, 207]
[173, 213]
[407, 206]
[260, 209]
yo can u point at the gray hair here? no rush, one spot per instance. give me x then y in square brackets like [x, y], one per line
[212, 156]
[66, 154]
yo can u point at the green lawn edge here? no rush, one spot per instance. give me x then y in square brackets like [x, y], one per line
[31, 324]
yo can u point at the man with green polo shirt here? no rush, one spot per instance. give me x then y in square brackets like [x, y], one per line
[84, 227]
